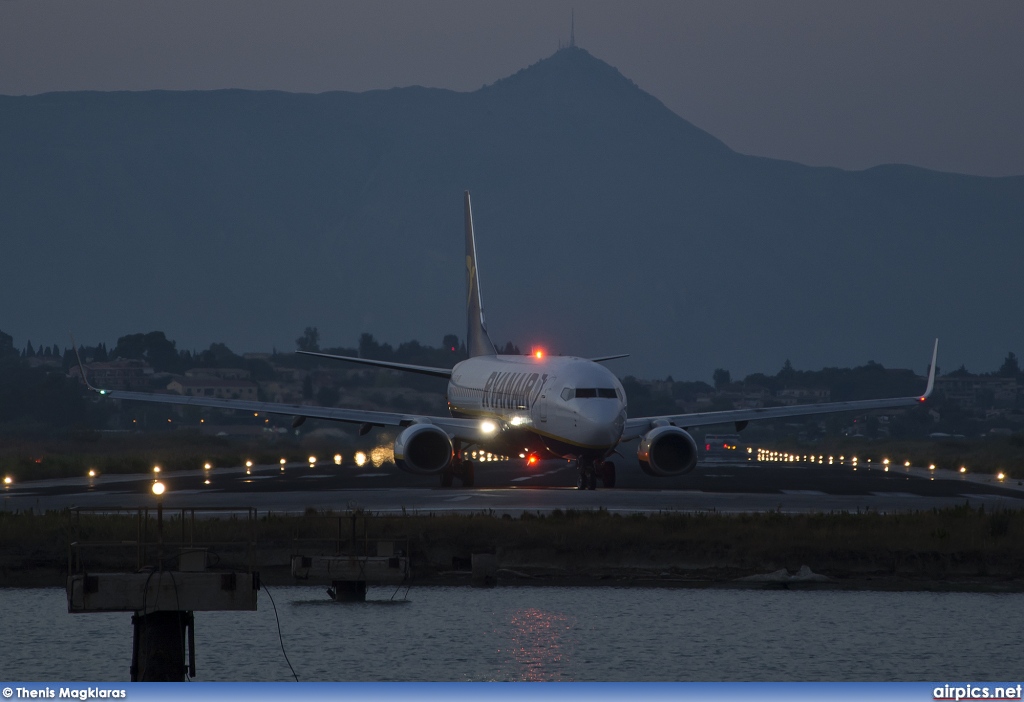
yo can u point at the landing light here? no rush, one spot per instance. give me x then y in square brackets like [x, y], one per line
[206, 482]
[931, 467]
[158, 488]
[282, 461]
[488, 426]
[92, 472]
[337, 459]
[207, 466]
[360, 459]
[8, 480]
[1000, 475]
[906, 464]
[248, 464]
[963, 469]
[156, 469]
[312, 460]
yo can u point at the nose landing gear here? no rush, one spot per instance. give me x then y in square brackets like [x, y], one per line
[590, 470]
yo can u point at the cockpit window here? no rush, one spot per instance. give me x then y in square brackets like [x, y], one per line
[569, 393]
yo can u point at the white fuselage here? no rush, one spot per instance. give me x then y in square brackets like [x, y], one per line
[560, 405]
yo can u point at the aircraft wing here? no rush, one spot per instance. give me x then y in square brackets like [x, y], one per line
[466, 429]
[641, 425]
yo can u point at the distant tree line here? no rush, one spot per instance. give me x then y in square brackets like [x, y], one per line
[39, 397]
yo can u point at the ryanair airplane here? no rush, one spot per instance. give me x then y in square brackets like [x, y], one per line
[534, 406]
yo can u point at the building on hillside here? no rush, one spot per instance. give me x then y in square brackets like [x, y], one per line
[972, 392]
[122, 374]
[280, 391]
[214, 387]
[222, 373]
[804, 396]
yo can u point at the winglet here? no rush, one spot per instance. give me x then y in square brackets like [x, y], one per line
[931, 373]
[81, 367]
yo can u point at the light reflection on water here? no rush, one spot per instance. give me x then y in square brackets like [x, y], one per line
[552, 633]
[539, 645]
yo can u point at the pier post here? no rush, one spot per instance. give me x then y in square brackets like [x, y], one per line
[158, 646]
[348, 591]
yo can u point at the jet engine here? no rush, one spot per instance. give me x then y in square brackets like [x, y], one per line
[667, 450]
[423, 449]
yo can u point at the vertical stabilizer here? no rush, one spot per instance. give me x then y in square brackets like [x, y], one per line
[477, 341]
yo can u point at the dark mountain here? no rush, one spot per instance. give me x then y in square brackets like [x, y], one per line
[605, 224]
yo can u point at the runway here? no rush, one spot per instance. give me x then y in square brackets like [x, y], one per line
[508, 488]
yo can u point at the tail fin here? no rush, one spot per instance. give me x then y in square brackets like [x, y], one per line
[477, 341]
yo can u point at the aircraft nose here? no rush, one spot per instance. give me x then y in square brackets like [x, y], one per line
[603, 421]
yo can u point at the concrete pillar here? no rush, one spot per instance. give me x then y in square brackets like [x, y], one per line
[348, 591]
[158, 646]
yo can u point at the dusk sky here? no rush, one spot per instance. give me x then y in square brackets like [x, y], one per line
[824, 83]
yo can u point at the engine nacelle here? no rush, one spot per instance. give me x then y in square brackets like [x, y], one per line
[423, 449]
[667, 450]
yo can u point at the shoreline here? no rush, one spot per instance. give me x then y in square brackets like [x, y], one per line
[636, 579]
[955, 549]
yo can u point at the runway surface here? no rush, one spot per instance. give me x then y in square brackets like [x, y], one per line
[509, 488]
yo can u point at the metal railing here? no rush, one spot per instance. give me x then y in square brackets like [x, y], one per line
[153, 544]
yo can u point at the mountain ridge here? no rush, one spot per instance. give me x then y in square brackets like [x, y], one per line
[607, 218]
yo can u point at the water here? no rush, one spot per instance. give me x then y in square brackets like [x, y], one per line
[556, 633]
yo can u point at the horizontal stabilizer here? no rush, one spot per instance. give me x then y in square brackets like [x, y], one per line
[609, 358]
[423, 370]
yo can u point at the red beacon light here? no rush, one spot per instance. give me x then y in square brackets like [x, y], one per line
[538, 354]
[532, 459]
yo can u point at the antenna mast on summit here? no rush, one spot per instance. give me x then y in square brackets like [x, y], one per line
[572, 27]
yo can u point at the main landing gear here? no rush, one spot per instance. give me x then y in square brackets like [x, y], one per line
[461, 468]
[590, 470]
